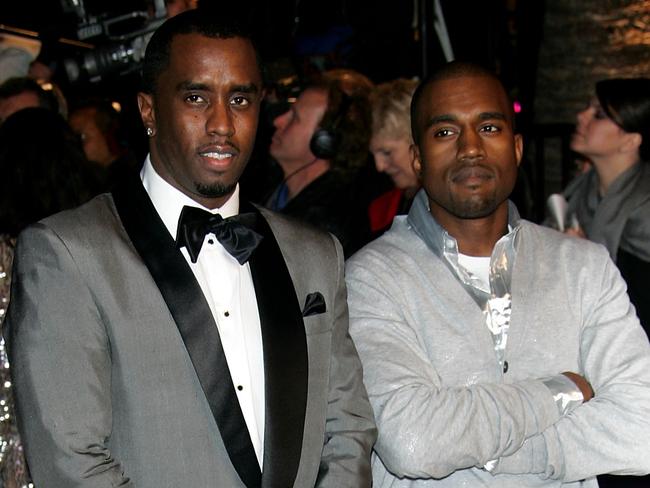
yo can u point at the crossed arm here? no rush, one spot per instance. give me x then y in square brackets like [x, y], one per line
[517, 424]
[609, 434]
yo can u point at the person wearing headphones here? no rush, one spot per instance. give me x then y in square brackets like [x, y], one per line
[319, 143]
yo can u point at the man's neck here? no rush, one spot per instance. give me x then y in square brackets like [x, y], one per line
[169, 200]
[297, 179]
[475, 237]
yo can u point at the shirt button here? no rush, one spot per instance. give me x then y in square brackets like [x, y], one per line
[210, 241]
[240, 387]
[505, 366]
[226, 313]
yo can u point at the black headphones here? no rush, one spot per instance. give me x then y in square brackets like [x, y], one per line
[325, 141]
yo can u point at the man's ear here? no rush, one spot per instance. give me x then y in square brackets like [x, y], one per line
[416, 161]
[147, 112]
[519, 148]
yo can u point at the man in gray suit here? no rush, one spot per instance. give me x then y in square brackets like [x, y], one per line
[165, 336]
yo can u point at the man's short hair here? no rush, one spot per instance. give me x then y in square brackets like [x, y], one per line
[107, 120]
[348, 117]
[455, 69]
[198, 21]
[350, 81]
[105, 116]
[16, 86]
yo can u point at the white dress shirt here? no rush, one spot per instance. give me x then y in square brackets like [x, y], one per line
[229, 291]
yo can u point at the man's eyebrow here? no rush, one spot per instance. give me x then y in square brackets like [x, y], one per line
[439, 119]
[249, 88]
[191, 85]
[492, 115]
[448, 118]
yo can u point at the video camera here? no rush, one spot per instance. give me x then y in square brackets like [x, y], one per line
[118, 42]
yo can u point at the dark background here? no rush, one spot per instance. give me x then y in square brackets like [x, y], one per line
[383, 39]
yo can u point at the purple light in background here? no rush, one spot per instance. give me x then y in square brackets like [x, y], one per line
[517, 107]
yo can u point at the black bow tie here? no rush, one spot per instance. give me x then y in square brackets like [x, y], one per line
[234, 233]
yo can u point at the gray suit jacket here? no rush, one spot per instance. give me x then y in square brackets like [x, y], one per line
[118, 368]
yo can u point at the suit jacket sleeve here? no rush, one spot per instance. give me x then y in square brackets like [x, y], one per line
[61, 364]
[350, 429]
[608, 434]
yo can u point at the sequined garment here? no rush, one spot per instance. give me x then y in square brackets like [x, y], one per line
[13, 468]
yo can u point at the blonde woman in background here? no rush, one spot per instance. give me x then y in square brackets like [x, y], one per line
[390, 145]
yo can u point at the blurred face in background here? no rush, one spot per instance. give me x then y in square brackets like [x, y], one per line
[393, 157]
[95, 143]
[17, 102]
[293, 129]
[596, 135]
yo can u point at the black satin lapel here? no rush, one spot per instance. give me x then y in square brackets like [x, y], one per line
[193, 317]
[285, 361]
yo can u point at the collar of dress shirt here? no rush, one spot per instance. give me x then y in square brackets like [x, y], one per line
[169, 201]
[435, 236]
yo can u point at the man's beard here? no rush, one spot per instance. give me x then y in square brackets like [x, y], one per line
[473, 207]
[215, 190]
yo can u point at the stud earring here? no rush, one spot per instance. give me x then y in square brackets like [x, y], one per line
[149, 131]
